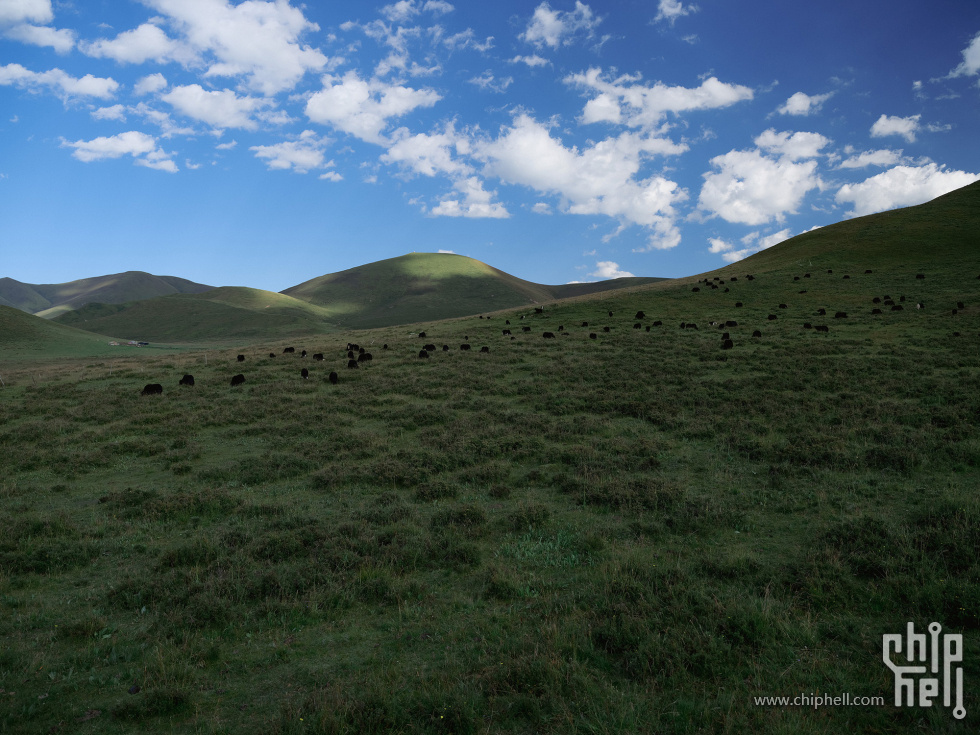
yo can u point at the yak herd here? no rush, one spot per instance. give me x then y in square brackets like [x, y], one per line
[357, 354]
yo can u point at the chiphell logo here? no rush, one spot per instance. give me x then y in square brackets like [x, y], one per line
[925, 657]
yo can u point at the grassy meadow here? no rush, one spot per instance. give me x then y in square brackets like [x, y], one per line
[635, 533]
[617, 530]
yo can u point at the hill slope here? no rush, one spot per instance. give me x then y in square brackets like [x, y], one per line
[228, 313]
[428, 287]
[51, 299]
[25, 335]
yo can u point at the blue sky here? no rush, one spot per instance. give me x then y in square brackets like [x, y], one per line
[265, 143]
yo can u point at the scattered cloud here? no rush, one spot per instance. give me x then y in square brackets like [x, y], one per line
[476, 202]
[226, 146]
[300, 155]
[219, 109]
[363, 108]
[803, 104]
[142, 147]
[601, 179]
[607, 269]
[447, 252]
[61, 40]
[116, 112]
[26, 11]
[890, 125]
[671, 10]
[902, 186]
[255, 40]
[792, 146]
[60, 83]
[970, 66]
[488, 82]
[873, 158]
[754, 242]
[532, 61]
[541, 208]
[144, 43]
[554, 28]
[752, 189]
[623, 101]
[150, 84]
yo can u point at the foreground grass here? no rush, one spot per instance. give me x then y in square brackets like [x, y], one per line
[636, 533]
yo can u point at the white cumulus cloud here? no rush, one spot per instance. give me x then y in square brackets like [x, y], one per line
[61, 83]
[300, 155]
[803, 104]
[792, 146]
[873, 158]
[476, 202]
[607, 269]
[144, 43]
[902, 186]
[753, 189]
[554, 28]
[970, 66]
[150, 84]
[61, 40]
[624, 101]
[363, 108]
[891, 125]
[142, 147]
[671, 10]
[754, 242]
[220, 109]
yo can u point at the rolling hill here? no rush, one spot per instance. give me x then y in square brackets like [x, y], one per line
[431, 286]
[228, 313]
[25, 335]
[49, 300]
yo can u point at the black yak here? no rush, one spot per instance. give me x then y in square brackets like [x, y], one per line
[241, 358]
[727, 344]
[305, 374]
[640, 315]
[237, 380]
[364, 357]
[318, 357]
[548, 335]
[333, 378]
[152, 389]
[352, 364]
[187, 380]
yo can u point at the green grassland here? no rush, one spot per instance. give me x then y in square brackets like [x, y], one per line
[634, 533]
[215, 316]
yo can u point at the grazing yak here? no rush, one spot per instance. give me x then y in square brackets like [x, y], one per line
[876, 300]
[318, 357]
[385, 347]
[421, 335]
[364, 357]
[695, 289]
[959, 305]
[822, 328]
[429, 348]
[806, 275]
[152, 389]
[237, 380]
[731, 323]
[485, 350]
[920, 276]
[592, 335]
[610, 313]
[445, 348]
[305, 374]
[241, 358]
[738, 304]
[875, 311]
[548, 335]
[840, 315]
[464, 347]
[187, 380]
[772, 317]
[821, 312]
[640, 315]
[866, 272]
[303, 354]
[333, 378]
[506, 332]
[750, 278]
[658, 323]
[289, 350]
[605, 329]
[727, 344]
[352, 364]
[846, 277]
[350, 354]
[423, 354]
[637, 326]
[807, 325]
[898, 307]
[272, 354]
[757, 333]
[585, 324]
[525, 329]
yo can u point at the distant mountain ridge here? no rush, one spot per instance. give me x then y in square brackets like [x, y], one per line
[49, 300]
[405, 290]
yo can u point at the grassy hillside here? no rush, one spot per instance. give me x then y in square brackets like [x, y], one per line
[24, 336]
[49, 300]
[637, 533]
[425, 287]
[220, 314]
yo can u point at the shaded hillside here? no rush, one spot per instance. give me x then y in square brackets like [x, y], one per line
[947, 227]
[51, 299]
[428, 287]
[230, 313]
[25, 335]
